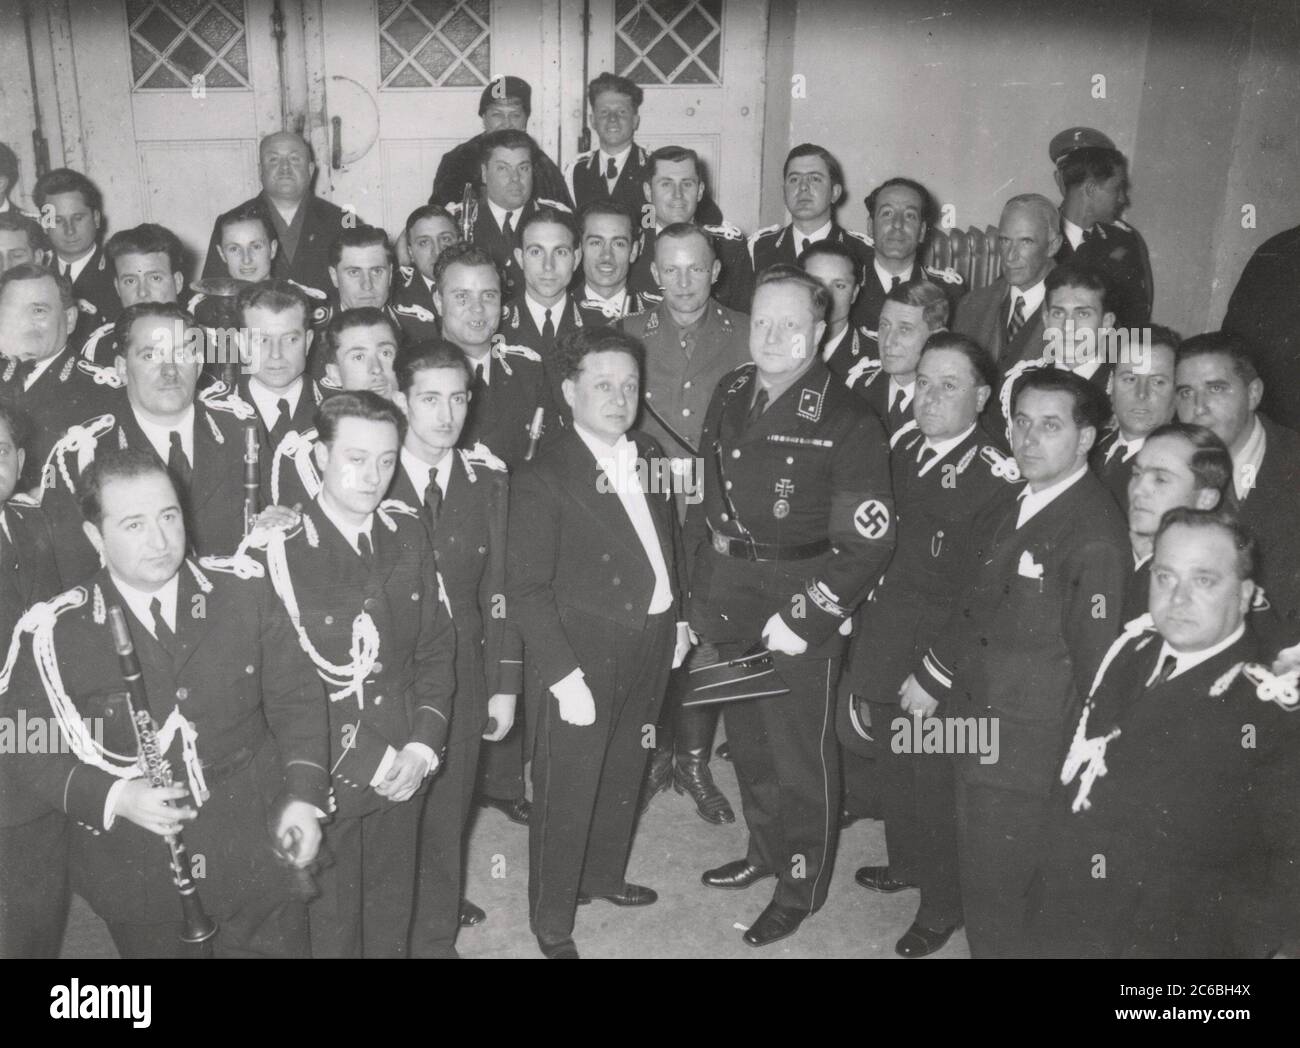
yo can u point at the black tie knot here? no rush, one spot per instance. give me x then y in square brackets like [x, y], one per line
[364, 547]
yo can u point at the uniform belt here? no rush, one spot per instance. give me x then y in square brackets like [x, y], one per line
[743, 550]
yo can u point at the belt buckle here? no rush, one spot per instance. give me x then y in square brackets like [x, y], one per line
[721, 543]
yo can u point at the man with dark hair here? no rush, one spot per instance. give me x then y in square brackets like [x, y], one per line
[72, 213]
[610, 243]
[237, 711]
[200, 440]
[1266, 314]
[33, 835]
[39, 370]
[429, 231]
[615, 169]
[1025, 637]
[390, 706]
[506, 103]
[1217, 386]
[596, 581]
[1196, 828]
[813, 186]
[147, 263]
[691, 342]
[1179, 464]
[464, 499]
[795, 525]
[305, 226]
[1092, 176]
[247, 245]
[945, 478]
[1006, 318]
[675, 192]
[21, 241]
[837, 266]
[1142, 394]
[901, 214]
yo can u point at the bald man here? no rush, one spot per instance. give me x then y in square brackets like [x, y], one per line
[304, 225]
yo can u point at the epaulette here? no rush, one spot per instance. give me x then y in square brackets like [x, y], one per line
[389, 506]
[725, 230]
[653, 297]
[948, 276]
[331, 384]
[967, 459]
[407, 273]
[102, 376]
[1283, 690]
[415, 310]
[579, 159]
[310, 292]
[604, 306]
[501, 348]
[510, 316]
[866, 369]
[232, 404]
[480, 455]
[83, 440]
[743, 374]
[558, 205]
[87, 307]
[1120, 224]
[1000, 465]
[92, 341]
[859, 236]
[758, 234]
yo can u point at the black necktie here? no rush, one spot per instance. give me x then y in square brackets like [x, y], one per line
[1017, 320]
[160, 628]
[65, 269]
[927, 454]
[22, 372]
[364, 547]
[611, 170]
[895, 282]
[507, 227]
[548, 329]
[281, 427]
[1166, 669]
[757, 408]
[1089, 234]
[177, 463]
[896, 411]
[803, 244]
[433, 497]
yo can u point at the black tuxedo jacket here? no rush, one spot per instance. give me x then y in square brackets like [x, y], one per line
[321, 226]
[1116, 473]
[1270, 511]
[95, 292]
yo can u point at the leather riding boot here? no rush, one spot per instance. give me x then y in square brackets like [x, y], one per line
[659, 776]
[694, 728]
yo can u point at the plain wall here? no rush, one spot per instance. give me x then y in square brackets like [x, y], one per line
[1204, 99]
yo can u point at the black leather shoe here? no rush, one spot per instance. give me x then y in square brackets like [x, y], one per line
[516, 811]
[470, 914]
[734, 875]
[558, 949]
[723, 751]
[631, 895]
[692, 776]
[659, 777]
[877, 879]
[776, 922]
[919, 941]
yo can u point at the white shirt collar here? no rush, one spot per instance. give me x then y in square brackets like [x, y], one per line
[604, 452]
[817, 235]
[618, 299]
[160, 436]
[349, 531]
[40, 369]
[538, 311]
[1073, 233]
[77, 265]
[1247, 463]
[833, 343]
[138, 601]
[499, 213]
[1188, 660]
[1034, 502]
[487, 366]
[1033, 297]
[886, 278]
[418, 471]
[267, 400]
[1130, 447]
[1138, 561]
[618, 158]
[942, 447]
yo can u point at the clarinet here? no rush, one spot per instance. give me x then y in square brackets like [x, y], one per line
[198, 926]
[468, 212]
[534, 434]
[252, 477]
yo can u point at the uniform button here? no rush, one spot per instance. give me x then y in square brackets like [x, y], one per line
[482, 550]
[415, 596]
[604, 557]
[984, 642]
[789, 461]
[378, 668]
[329, 620]
[437, 555]
[616, 580]
[648, 394]
[627, 607]
[686, 412]
[724, 518]
[736, 453]
[249, 670]
[182, 694]
[686, 384]
[370, 604]
[728, 485]
[378, 699]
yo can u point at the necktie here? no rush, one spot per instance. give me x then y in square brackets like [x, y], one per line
[927, 455]
[1166, 669]
[803, 244]
[508, 226]
[1017, 320]
[65, 269]
[22, 372]
[895, 282]
[1089, 234]
[281, 427]
[433, 497]
[548, 329]
[177, 463]
[478, 377]
[896, 418]
[757, 408]
[611, 170]
[364, 547]
[160, 628]
[1117, 446]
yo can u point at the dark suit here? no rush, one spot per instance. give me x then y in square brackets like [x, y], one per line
[1119, 252]
[1118, 471]
[579, 586]
[33, 834]
[857, 346]
[94, 290]
[364, 908]
[234, 670]
[1270, 511]
[809, 480]
[735, 284]
[1198, 830]
[936, 511]
[873, 387]
[464, 163]
[982, 315]
[1265, 309]
[871, 299]
[214, 503]
[520, 329]
[412, 301]
[489, 235]
[502, 409]
[469, 548]
[320, 224]
[269, 436]
[64, 395]
[1019, 651]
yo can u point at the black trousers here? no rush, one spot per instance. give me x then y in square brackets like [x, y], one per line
[788, 764]
[274, 929]
[920, 822]
[34, 892]
[368, 892]
[586, 779]
[501, 767]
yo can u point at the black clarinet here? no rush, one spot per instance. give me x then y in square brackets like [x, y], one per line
[252, 474]
[534, 434]
[198, 926]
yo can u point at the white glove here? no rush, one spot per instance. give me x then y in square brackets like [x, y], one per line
[577, 706]
[780, 637]
[685, 638]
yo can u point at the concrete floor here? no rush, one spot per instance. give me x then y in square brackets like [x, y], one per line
[673, 847]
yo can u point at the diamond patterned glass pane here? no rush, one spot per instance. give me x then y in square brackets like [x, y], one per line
[179, 39]
[434, 43]
[668, 41]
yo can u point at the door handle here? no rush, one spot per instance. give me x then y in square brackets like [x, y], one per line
[336, 146]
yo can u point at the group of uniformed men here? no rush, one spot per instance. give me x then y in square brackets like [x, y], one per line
[1034, 606]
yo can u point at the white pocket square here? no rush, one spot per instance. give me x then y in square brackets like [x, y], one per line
[1028, 567]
